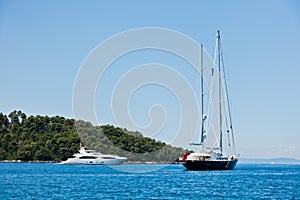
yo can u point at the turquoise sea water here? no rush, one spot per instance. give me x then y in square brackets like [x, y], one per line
[55, 181]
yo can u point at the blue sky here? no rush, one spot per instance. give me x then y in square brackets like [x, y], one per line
[44, 43]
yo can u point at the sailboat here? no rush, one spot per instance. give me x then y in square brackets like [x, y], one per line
[217, 146]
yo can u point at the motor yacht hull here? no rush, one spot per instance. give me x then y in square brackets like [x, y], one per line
[94, 162]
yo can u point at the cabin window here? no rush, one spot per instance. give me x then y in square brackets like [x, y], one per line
[108, 157]
[87, 157]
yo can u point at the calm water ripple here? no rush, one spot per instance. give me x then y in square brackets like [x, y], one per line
[54, 181]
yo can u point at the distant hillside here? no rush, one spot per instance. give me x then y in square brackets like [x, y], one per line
[270, 161]
[46, 138]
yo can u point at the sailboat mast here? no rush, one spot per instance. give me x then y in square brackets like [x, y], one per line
[202, 98]
[220, 92]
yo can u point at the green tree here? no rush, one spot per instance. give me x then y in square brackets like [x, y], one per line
[57, 138]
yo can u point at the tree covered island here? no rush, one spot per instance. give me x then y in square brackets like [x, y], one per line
[44, 138]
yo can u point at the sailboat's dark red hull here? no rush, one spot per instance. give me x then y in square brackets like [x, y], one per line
[210, 165]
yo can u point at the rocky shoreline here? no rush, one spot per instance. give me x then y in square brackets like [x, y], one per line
[39, 161]
[23, 161]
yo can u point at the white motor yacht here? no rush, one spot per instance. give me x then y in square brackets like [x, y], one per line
[92, 157]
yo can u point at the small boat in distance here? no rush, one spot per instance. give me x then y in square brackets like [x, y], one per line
[92, 157]
[217, 146]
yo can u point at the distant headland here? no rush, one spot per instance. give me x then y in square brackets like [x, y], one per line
[270, 160]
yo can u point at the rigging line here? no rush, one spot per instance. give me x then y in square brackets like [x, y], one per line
[215, 52]
[210, 112]
[209, 38]
[228, 102]
[227, 129]
[202, 98]
[194, 116]
[205, 43]
[220, 94]
[213, 142]
[195, 105]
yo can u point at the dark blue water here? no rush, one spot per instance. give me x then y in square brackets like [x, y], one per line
[54, 181]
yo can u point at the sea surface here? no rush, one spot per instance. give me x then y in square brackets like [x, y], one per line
[147, 181]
